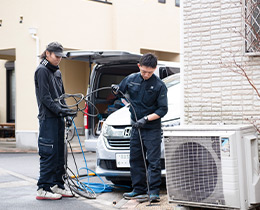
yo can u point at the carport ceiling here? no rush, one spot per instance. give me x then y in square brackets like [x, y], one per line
[7, 54]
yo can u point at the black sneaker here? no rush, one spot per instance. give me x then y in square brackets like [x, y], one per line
[154, 198]
[131, 195]
[142, 198]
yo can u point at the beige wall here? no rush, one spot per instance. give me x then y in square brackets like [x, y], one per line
[74, 26]
[146, 24]
[75, 75]
[130, 25]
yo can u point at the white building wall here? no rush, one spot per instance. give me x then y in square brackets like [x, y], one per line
[213, 93]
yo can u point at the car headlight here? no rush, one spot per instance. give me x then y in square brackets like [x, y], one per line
[109, 131]
[105, 129]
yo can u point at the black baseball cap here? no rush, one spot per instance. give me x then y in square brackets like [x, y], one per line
[56, 48]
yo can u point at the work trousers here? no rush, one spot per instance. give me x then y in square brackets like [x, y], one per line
[51, 151]
[152, 151]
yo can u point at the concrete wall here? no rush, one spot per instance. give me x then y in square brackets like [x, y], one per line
[213, 93]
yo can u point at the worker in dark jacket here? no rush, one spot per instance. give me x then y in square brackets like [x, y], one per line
[48, 87]
[148, 97]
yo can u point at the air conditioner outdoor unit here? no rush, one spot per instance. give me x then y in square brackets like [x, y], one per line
[212, 166]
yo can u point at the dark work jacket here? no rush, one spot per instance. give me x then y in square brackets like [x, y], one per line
[147, 97]
[48, 87]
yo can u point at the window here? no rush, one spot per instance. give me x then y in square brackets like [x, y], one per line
[103, 1]
[10, 91]
[252, 26]
[162, 1]
[105, 81]
[177, 3]
[167, 71]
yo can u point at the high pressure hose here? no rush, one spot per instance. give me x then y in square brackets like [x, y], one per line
[141, 141]
[87, 189]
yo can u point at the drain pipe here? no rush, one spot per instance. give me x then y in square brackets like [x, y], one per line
[33, 32]
[182, 114]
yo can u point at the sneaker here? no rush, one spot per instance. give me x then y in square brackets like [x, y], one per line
[154, 198]
[46, 195]
[62, 192]
[141, 198]
[131, 195]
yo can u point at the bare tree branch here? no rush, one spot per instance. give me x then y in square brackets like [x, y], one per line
[251, 35]
[254, 123]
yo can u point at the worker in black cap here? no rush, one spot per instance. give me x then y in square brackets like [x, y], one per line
[48, 87]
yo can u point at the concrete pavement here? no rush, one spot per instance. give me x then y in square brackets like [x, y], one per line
[18, 178]
[19, 170]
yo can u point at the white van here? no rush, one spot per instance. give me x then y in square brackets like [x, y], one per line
[111, 67]
[114, 140]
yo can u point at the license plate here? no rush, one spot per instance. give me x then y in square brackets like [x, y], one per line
[122, 161]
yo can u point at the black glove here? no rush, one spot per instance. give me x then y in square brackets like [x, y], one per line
[64, 112]
[115, 88]
[68, 121]
[140, 123]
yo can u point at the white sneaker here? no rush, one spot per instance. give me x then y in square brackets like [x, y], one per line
[63, 192]
[45, 195]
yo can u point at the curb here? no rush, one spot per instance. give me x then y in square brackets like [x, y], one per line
[17, 151]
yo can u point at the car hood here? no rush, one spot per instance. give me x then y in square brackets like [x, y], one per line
[103, 57]
[120, 117]
[174, 105]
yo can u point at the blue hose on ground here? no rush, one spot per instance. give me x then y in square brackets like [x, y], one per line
[96, 187]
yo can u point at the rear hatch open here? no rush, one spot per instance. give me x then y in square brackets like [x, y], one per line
[103, 57]
[111, 67]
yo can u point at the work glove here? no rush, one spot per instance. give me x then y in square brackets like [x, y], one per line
[64, 112]
[115, 88]
[68, 121]
[140, 123]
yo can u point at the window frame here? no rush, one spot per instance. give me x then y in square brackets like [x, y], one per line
[103, 1]
[247, 33]
[177, 3]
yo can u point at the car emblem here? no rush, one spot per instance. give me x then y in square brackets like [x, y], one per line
[127, 132]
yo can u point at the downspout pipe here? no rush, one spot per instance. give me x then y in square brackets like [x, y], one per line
[33, 32]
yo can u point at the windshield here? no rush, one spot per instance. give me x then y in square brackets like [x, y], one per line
[172, 80]
[172, 83]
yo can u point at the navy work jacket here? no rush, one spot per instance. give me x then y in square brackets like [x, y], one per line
[48, 87]
[147, 97]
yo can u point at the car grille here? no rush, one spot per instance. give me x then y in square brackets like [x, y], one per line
[119, 143]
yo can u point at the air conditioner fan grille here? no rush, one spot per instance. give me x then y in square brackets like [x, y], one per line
[193, 169]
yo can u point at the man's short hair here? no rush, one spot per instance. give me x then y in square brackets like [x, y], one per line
[148, 60]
